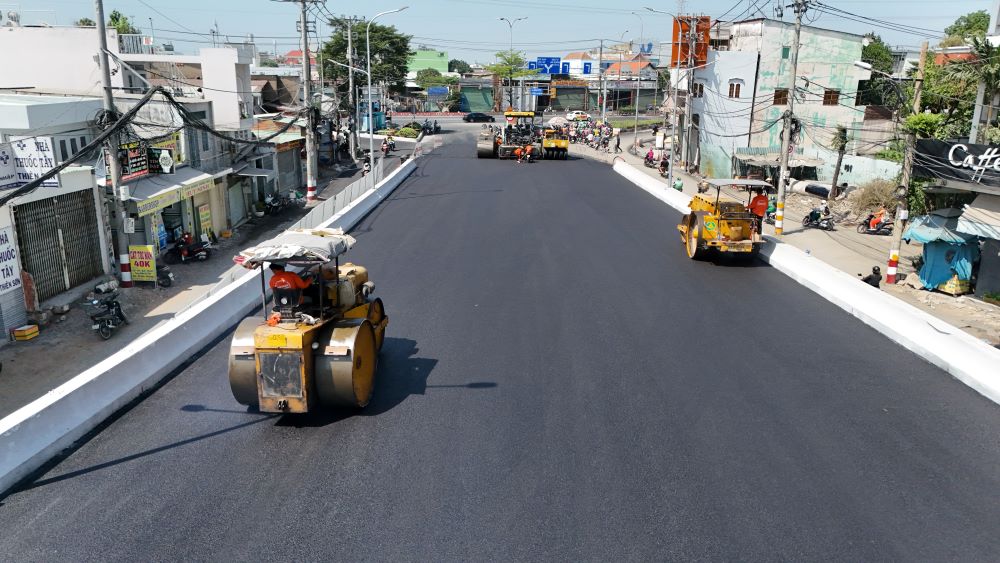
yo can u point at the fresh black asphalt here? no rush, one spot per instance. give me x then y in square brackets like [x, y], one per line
[559, 383]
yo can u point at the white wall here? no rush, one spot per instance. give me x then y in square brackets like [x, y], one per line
[58, 58]
[723, 117]
[226, 83]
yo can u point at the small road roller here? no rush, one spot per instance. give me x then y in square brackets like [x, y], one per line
[317, 345]
[722, 225]
[555, 143]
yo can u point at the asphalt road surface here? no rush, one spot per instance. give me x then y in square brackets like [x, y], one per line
[559, 383]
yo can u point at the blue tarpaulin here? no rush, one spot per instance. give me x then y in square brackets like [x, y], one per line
[947, 252]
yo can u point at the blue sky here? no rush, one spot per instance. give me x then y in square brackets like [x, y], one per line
[470, 30]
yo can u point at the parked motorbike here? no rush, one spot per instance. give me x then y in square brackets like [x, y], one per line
[164, 276]
[883, 228]
[274, 204]
[187, 249]
[107, 314]
[818, 221]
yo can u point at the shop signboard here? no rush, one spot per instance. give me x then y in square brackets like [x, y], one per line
[142, 261]
[10, 273]
[196, 188]
[161, 161]
[959, 162]
[134, 160]
[205, 218]
[172, 142]
[159, 231]
[158, 202]
[24, 160]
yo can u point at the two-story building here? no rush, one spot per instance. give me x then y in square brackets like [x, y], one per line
[54, 238]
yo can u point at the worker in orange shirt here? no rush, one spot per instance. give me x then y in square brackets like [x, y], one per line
[758, 206]
[283, 279]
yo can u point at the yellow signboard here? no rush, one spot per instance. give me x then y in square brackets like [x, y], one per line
[142, 262]
[157, 203]
[205, 218]
[197, 188]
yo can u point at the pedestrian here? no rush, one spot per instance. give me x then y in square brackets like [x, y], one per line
[618, 143]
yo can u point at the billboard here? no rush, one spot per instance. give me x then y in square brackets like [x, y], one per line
[549, 65]
[680, 46]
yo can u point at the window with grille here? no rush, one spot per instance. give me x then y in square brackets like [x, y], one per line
[780, 97]
[831, 97]
[734, 89]
[698, 91]
[785, 52]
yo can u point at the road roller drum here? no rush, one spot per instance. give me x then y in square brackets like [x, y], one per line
[344, 364]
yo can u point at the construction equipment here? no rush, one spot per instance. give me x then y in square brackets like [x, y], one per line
[722, 225]
[555, 145]
[519, 132]
[316, 347]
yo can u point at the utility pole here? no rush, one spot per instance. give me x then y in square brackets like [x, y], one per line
[786, 134]
[840, 140]
[604, 95]
[902, 209]
[310, 115]
[674, 136]
[688, 125]
[352, 137]
[111, 146]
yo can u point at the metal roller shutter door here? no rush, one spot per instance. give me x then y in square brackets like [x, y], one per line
[58, 241]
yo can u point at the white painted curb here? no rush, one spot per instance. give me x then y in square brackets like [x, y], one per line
[37, 432]
[970, 360]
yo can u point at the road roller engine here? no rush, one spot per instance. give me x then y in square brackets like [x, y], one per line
[316, 345]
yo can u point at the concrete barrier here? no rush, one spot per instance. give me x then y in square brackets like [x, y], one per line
[967, 358]
[37, 432]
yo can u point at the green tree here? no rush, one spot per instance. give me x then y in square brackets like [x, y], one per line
[973, 24]
[984, 69]
[950, 96]
[878, 90]
[459, 66]
[924, 125]
[511, 65]
[118, 21]
[84, 22]
[431, 77]
[390, 52]
[269, 63]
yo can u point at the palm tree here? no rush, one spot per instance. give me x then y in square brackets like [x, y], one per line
[984, 70]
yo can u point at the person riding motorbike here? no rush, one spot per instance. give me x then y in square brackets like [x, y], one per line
[877, 219]
[385, 148]
[818, 212]
[874, 278]
[392, 142]
[367, 168]
[650, 157]
[678, 184]
[664, 163]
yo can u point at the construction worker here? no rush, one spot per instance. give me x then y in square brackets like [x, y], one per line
[758, 206]
[518, 153]
[877, 219]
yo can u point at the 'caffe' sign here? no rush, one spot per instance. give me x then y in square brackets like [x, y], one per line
[961, 162]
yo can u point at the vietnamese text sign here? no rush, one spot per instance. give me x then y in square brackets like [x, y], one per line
[10, 272]
[134, 160]
[205, 218]
[161, 161]
[153, 204]
[25, 160]
[142, 260]
[196, 188]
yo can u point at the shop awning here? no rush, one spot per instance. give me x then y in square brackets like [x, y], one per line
[253, 171]
[155, 192]
[774, 159]
[981, 218]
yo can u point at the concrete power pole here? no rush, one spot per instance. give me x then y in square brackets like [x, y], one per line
[310, 116]
[902, 208]
[604, 95]
[786, 135]
[352, 134]
[689, 126]
[114, 167]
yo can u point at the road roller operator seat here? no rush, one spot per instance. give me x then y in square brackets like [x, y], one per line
[286, 302]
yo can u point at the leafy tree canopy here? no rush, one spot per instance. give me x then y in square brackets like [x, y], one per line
[511, 64]
[459, 66]
[390, 52]
[877, 90]
[120, 22]
[973, 24]
[84, 22]
[431, 77]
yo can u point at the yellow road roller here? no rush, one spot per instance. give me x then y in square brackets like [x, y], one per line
[555, 143]
[316, 345]
[722, 225]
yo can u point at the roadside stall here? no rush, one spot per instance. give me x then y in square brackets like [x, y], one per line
[948, 255]
[981, 218]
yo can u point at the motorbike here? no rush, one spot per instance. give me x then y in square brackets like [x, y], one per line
[769, 217]
[437, 128]
[649, 162]
[107, 314]
[274, 204]
[883, 228]
[164, 276]
[824, 221]
[187, 249]
[392, 144]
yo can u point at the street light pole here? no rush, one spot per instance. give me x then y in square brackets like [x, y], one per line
[621, 60]
[638, 80]
[368, 53]
[510, 76]
[786, 136]
[676, 81]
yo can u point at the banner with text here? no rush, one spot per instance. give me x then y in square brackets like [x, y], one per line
[10, 272]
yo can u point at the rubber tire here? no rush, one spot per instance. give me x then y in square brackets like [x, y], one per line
[862, 228]
[805, 221]
[105, 330]
[121, 314]
[830, 226]
[165, 281]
